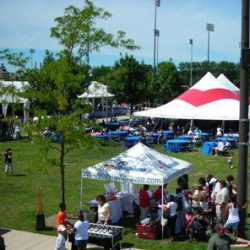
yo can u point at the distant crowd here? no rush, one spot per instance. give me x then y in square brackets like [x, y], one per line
[193, 213]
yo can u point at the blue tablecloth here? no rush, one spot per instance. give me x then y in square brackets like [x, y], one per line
[168, 134]
[207, 147]
[130, 141]
[118, 133]
[186, 137]
[156, 136]
[153, 138]
[100, 136]
[176, 145]
[205, 134]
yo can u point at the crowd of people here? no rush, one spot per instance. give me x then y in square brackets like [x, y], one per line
[78, 231]
[193, 212]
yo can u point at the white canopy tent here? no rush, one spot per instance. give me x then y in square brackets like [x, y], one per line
[97, 90]
[8, 97]
[208, 99]
[226, 82]
[138, 165]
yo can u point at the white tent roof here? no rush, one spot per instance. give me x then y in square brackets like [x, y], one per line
[96, 90]
[139, 165]
[226, 82]
[19, 86]
[208, 99]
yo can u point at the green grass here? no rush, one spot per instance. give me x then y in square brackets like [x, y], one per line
[18, 193]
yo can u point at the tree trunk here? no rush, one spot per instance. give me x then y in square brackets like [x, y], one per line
[62, 169]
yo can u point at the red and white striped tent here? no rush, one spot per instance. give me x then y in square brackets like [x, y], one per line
[208, 99]
[225, 81]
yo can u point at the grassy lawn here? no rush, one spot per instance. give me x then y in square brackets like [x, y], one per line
[18, 193]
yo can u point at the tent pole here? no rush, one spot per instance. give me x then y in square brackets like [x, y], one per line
[93, 105]
[156, 125]
[191, 123]
[223, 126]
[130, 119]
[81, 206]
[162, 198]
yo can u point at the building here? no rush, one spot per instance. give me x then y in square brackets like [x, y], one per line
[4, 74]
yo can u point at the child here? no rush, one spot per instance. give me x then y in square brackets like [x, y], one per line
[60, 240]
[209, 210]
[188, 216]
[8, 161]
[229, 161]
[232, 215]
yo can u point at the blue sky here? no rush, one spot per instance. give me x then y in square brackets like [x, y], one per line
[26, 24]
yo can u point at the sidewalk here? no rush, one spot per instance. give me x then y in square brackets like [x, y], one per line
[20, 240]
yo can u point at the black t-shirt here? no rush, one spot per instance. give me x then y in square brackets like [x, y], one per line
[8, 156]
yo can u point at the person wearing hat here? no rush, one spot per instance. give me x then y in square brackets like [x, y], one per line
[80, 230]
[60, 240]
[215, 188]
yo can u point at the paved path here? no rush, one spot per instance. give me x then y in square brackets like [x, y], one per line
[20, 240]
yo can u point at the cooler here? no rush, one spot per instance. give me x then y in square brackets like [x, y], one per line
[152, 232]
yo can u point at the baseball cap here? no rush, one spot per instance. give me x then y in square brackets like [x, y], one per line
[212, 180]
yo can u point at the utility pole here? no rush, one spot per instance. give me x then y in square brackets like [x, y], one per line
[191, 63]
[243, 122]
[32, 51]
[156, 34]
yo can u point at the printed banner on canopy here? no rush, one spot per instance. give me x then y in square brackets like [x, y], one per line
[140, 165]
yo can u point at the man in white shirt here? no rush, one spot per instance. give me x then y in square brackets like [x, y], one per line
[219, 148]
[221, 200]
[219, 131]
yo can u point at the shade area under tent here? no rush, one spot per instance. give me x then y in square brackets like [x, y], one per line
[137, 165]
[9, 98]
[97, 94]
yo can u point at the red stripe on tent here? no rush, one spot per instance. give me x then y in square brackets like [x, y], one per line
[198, 98]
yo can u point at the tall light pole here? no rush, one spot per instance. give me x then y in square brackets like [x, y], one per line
[209, 28]
[191, 62]
[157, 49]
[156, 32]
[244, 120]
[32, 51]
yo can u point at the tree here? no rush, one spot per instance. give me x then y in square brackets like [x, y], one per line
[229, 69]
[58, 82]
[129, 81]
[76, 31]
[54, 87]
[100, 73]
[165, 85]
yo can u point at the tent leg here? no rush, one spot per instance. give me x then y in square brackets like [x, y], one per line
[156, 124]
[81, 205]
[191, 123]
[223, 126]
[162, 197]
